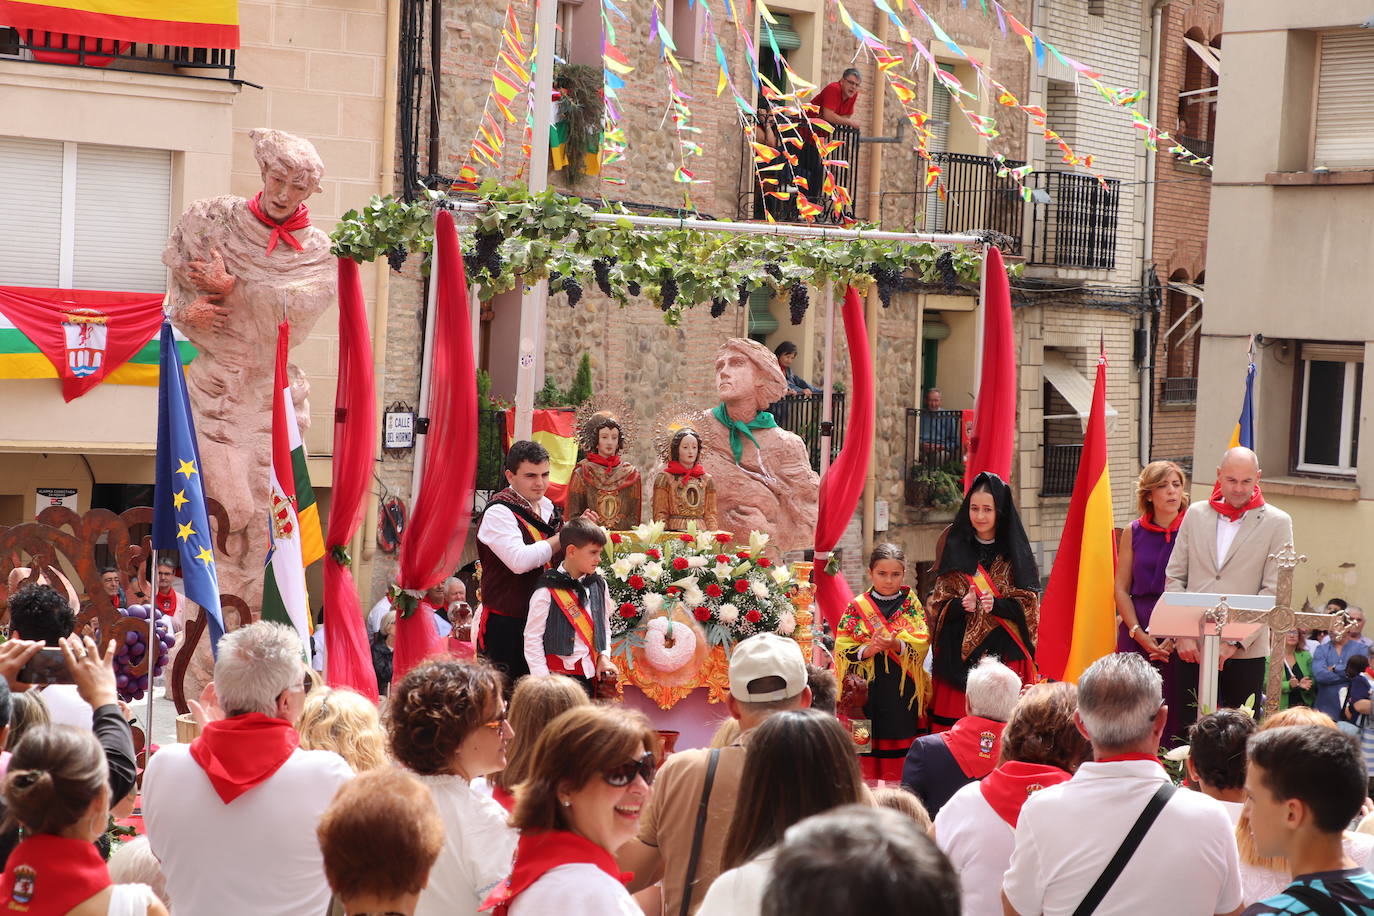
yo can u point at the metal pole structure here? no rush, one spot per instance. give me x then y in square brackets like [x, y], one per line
[534, 301]
[475, 307]
[154, 649]
[828, 383]
[426, 366]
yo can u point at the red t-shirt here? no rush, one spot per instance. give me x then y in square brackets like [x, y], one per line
[832, 97]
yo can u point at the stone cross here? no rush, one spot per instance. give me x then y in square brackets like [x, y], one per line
[1279, 619]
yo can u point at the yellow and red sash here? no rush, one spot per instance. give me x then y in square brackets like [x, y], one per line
[874, 620]
[577, 615]
[530, 529]
[981, 583]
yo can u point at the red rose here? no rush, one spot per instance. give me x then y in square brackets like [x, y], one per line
[722, 558]
[636, 582]
[673, 590]
[753, 616]
[627, 610]
[680, 563]
[713, 590]
[653, 553]
[743, 555]
[615, 538]
[686, 539]
[702, 613]
[765, 562]
[741, 586]
[723, 537]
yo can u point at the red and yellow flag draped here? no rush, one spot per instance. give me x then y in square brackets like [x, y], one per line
[1077, 615]
[187, 23]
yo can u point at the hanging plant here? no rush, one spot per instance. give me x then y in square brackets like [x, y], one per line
[580, 108]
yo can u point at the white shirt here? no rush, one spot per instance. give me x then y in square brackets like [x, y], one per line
[739, 891]
[978, 844]
[579, 889]
[1186, 864]
[501, 532]
[129, 900]
[317, 650]
[374, 616]
[1226, 535]
[257, 854]
[65, 706]
[478, 851]
[442, 626]
[535, 624]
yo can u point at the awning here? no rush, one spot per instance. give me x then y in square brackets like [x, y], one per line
[1210, 56]
[1076, 388]
[1194, 292]
[783, 33]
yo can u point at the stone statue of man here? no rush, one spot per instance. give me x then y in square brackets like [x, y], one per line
[763, 476]
[240, 267]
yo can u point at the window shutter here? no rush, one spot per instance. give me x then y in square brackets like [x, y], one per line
[30, 211]
[123, 196]
[1333, 352]
[1345, 107]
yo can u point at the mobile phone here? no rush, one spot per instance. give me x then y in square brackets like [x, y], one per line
[47, 667]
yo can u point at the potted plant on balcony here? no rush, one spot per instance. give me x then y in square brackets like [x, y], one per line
[933, 488]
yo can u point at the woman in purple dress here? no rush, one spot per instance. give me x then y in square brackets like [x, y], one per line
[1142, 555]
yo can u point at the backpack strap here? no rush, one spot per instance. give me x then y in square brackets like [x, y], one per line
[1127, 849]
[699, 833]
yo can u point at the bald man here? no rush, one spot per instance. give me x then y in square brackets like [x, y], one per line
[1225, 546]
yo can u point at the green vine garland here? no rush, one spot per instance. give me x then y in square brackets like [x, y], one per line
[524, 237]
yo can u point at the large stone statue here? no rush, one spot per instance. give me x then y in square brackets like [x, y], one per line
[239, 267]
[763, 476]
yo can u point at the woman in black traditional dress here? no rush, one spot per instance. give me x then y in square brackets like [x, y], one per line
[986, 599]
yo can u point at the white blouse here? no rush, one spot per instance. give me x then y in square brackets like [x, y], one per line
[478, 851]
[579, 889]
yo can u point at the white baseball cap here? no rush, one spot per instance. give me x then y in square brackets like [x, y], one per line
[766, 655]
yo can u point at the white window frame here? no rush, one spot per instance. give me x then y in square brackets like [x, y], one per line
[1354, 370]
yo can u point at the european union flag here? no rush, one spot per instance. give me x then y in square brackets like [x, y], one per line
[180, 521]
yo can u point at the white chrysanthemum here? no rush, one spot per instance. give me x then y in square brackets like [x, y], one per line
[760, 589]
[728, 613]
[693, 596]
[653, 602]
[786, 623]
[697, 562]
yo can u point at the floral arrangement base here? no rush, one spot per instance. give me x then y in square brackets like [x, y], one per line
[713, 674]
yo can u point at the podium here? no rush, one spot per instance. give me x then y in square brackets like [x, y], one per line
[1209, 618]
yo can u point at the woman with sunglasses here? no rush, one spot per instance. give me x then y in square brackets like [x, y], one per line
[446, 721]
[588, 782]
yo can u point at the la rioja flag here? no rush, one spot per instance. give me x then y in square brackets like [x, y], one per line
[295, 525]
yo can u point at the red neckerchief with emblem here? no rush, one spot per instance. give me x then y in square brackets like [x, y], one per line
[975, 743]
[49, 875]
[1006, 788]
[539, 853]
[166, 602]
[298, 220]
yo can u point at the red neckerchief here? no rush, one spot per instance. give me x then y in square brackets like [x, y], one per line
[503, 797]
[1148, 524]
[298, 220]
[1121, 758]
[166, 602]
[1230, 511]
[678, 469]
[241, 752]
[597, 458]
[1007, 787]
[49, 874]
[976, 743]
[539, 853]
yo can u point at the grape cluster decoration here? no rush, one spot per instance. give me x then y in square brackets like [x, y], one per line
[133, 651]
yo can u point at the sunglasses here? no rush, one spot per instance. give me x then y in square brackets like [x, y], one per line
[625, 774]
[497, 722]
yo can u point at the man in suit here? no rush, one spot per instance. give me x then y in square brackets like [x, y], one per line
[1226, 546]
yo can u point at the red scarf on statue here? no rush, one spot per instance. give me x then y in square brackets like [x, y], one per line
[1230, 511]
[298, 220]
[1006, 788]
[976, 744]
[678, 469]
[539, 853]
[244, 751]
[49, 875]
[1148, 523]
[611, 462]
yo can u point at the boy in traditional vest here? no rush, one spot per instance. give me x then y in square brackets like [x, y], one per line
[569, 623]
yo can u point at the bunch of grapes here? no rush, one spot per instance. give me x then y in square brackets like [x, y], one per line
[573, 289]
[773, 270]
[945, 265]
[798, 301]
[486, 254]
[396, 257]
[131, 654]
[886, 280]
[718, 307]
[669, 292]
[743, 292]
[633, 288]
[602, 269]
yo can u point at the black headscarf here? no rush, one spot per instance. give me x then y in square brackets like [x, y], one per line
[961, 553]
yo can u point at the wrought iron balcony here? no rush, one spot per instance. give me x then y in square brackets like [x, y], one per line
[1202, 149]
[754, 202]
[1061, 469]
[803, 417]
[934, 459]
[1179, 391]
[1075, 220]
[975, 198]
[81, 51]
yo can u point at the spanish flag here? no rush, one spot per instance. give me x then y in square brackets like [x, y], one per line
[186, 23]
[1244, 433]
[1078, 613]
[556, 430]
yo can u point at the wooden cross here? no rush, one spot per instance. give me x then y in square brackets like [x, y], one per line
[1279, 619]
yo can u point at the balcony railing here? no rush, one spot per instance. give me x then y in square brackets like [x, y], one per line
[1179, 391]
[803, 417]
[975, 198]
[1076, 226]
[934, 459]
[1061, 468]
[82, 51]
[1199, 147]
[754, 203]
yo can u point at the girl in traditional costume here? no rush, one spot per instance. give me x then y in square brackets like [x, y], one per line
[883, 639]
[683, 492]
[986, 599]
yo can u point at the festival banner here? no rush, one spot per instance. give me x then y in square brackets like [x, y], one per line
[187, 23]
[83, 337]
[1077, 614]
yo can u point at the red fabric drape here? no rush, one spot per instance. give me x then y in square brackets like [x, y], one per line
[844, 481]
[88, 351]
[348, 658]
[433, 541]
[994, 415]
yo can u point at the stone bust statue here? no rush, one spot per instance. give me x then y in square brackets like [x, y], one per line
[763, 476]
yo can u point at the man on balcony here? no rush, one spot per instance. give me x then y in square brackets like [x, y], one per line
[939, 431]
[836, 101]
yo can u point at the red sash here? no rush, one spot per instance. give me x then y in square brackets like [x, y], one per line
[876, 623]
[541, 852]
[1006, 788]
[577, 615]
[529, 528]
[975, 744]
[1231, 512]
[49, 875]
[982, 584]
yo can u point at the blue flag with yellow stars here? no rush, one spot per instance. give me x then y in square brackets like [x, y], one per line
[180, 521]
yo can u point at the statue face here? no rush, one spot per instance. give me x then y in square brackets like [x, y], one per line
[283, 192]
[688, 450]
[607, 441]
[734, 376]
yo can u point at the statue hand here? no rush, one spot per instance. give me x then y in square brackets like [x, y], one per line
[211, 277]
[205, 313]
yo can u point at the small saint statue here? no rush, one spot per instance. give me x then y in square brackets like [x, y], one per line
[603, 481]
[683, 491]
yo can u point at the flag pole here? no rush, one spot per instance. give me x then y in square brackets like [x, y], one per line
[150, 656]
